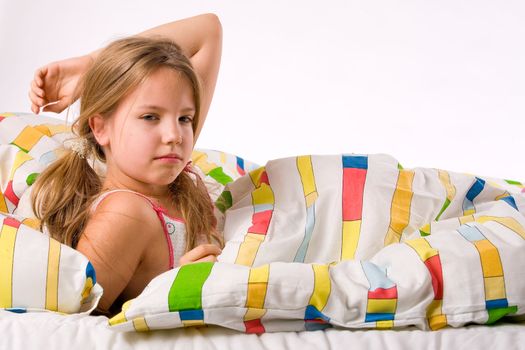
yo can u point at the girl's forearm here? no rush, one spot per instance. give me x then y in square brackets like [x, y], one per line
[191, 34]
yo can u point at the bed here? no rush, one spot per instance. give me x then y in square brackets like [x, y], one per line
[402, 280]
[51, 331]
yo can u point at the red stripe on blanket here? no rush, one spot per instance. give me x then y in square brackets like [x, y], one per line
[12, 222]
[353, 187]
[434, 266]
[261, 221]
[381, 293]
[10, 194]
[263, 179]
[240, 171]
[254, 327]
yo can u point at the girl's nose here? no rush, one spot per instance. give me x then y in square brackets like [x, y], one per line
[172, 134]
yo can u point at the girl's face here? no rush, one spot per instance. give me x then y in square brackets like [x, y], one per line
[149, 138]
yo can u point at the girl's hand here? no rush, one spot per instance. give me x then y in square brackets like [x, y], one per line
[203, 252]
[54, 86]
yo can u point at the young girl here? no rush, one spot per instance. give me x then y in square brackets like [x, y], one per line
[143, 102]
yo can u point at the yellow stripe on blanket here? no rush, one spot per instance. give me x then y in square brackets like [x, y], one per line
[434, 309]
[20, 158]
[43, 129]
[7, 245]
[437, 322]
[423, 248]
[28, 138]
[53, 262]
[466, 219]
[58, 128]
[121, 316]
[3, 204]
[495, 288]
[444, 177]
[254, 314]
[387, 324]
[257, 285]
[190, 323]
[263, 195]
[351, 231]
[400, 210]
[52, 129]
[200, 159]
[255, 175]
[378, 306]
[490, 259]
[508, 222]
[306, 172]
[322, 286]
[248, 249]
[32, 222]
[140, 324]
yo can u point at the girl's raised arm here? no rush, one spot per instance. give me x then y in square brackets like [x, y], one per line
[200, 38]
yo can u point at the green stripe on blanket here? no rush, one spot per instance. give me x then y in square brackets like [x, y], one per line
[186, 290]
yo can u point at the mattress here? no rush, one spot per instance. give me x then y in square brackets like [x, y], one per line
[54, 331]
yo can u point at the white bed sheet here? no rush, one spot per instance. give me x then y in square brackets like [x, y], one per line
[53, 331]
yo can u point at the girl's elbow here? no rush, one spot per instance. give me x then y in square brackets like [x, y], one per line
[213, 23]
[212, 18]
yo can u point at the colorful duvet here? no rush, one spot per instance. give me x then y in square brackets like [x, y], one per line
[353, 241]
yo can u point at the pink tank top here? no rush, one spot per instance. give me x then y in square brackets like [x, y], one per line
[174, 228]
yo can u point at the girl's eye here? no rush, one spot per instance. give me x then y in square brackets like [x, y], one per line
[186, 119]
[150, 117]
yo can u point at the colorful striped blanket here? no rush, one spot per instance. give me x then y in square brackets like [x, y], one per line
[353, 241]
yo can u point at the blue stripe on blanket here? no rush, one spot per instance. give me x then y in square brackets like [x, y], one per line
[496, 304]
[379, 317]
[510, 201]
[189, 315]
[359, 162]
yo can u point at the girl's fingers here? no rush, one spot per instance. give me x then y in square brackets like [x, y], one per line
[34, 108]
[209, 258]
[39, 74]
[36, 100]
[212, 249]
[202, 251]
[36, 89]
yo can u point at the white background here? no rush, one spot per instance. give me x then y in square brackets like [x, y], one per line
[434, 83]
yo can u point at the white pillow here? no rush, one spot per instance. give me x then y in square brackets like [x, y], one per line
[37, 273]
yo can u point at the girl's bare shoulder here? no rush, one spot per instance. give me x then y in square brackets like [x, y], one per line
[123, 216]
[116, 240]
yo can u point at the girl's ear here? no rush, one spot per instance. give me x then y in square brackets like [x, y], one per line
[99, 127]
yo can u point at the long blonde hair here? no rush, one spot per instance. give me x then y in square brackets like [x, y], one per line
[64, 192]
